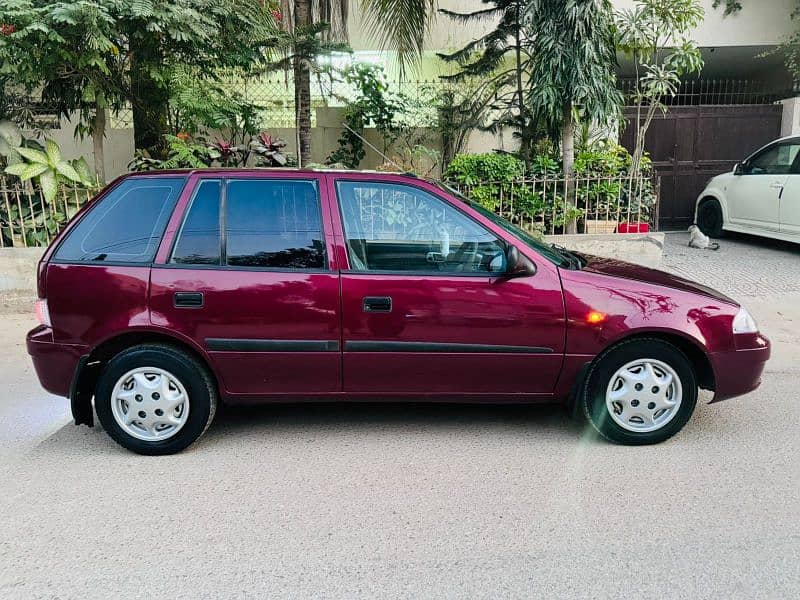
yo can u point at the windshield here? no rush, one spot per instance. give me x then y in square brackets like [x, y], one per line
[537, 245]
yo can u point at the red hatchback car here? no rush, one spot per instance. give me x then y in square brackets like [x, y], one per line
[173, 291]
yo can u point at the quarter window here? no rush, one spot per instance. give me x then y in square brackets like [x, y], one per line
[126, 225]
[199, 240]
[274, 223]
[392, 227]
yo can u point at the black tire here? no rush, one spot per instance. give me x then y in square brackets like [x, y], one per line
[192, 375]
[709, 218]
[593, 398]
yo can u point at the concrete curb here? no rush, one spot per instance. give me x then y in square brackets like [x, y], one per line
[641, 248]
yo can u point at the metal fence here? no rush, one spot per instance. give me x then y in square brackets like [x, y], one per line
[586, 204]
[28, 219]
[693, 92]
[545, 204]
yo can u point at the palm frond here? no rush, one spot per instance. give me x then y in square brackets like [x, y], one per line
[400, 25]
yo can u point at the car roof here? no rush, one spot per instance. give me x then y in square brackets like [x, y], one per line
[235, 170]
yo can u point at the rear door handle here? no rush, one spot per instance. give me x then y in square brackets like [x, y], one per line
[188, 299]
[382, 304]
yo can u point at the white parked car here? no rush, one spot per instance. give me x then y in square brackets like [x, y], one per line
[760, 196]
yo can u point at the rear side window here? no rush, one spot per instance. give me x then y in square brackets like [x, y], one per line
[273, 223]
[199, 241]
[126, 225]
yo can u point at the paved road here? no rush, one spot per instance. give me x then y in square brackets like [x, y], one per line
[407, 501]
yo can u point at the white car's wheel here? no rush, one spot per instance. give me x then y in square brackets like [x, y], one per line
[709, 217]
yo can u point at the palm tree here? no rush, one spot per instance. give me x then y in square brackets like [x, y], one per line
[318, 25]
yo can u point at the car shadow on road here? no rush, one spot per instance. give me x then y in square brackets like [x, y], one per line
[365, 415]
[547, 422]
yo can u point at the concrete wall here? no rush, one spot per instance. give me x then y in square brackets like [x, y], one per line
[18, 265]
[790, 121]
[18, 278]
[118, 147]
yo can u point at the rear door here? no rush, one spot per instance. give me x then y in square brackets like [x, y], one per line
[248, 279]
[422, 311]
[754, 196]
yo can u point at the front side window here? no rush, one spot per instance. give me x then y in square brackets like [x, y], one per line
[126, 225]
[776, 160]
[394, 227]
[274, 223]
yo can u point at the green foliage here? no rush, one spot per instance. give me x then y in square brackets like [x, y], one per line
[27, 159]
[374, 105]
[644, 30]
[501, 61]
[731, 6]
[399, 25]
[91, 54]
[198, 102]
[473, 169]
[574, 59]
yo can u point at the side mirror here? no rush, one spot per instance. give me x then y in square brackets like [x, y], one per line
[738, 169]
[518, 265]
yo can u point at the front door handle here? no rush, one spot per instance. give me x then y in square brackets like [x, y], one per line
[188, 299]
[777, 185]
[373, 304]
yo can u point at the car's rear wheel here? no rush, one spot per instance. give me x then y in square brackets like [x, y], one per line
[641, 391]
[155, 399]
[709, 217]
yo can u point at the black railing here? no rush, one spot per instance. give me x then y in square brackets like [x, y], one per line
[716, 91]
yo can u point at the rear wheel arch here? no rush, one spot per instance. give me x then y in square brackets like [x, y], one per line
[90, 369]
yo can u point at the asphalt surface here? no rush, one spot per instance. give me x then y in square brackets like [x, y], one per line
[398, 501]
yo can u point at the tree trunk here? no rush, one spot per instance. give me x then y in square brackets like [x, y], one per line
[302, 86]
[568, 159]
[525, 137]
[98, 133]
[149, 101]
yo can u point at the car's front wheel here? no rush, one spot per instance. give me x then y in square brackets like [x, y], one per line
[641, 391]
[155, 399]
[709, 217]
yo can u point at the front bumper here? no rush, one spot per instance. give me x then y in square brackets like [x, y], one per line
[738, 372]
[55, 364]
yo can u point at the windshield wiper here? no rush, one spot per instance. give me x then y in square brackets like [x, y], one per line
[572, 259]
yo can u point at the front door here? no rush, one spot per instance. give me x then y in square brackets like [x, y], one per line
[247, 279]
[754, 195]
[423, 308]
[790, 205]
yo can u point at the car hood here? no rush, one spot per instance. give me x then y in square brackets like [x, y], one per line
[625, 270]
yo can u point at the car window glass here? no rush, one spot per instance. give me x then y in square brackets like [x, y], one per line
[393, 227]
[198, 241]
[126, 225]
[776, 160]
[274, 224]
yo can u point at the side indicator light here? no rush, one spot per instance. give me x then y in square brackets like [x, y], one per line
[595, 317]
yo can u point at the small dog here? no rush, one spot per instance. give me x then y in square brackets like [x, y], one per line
[698, 239]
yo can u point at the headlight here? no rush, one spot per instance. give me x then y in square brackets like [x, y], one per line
[744, 322]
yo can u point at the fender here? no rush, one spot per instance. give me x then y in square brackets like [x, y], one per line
[90, 365]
